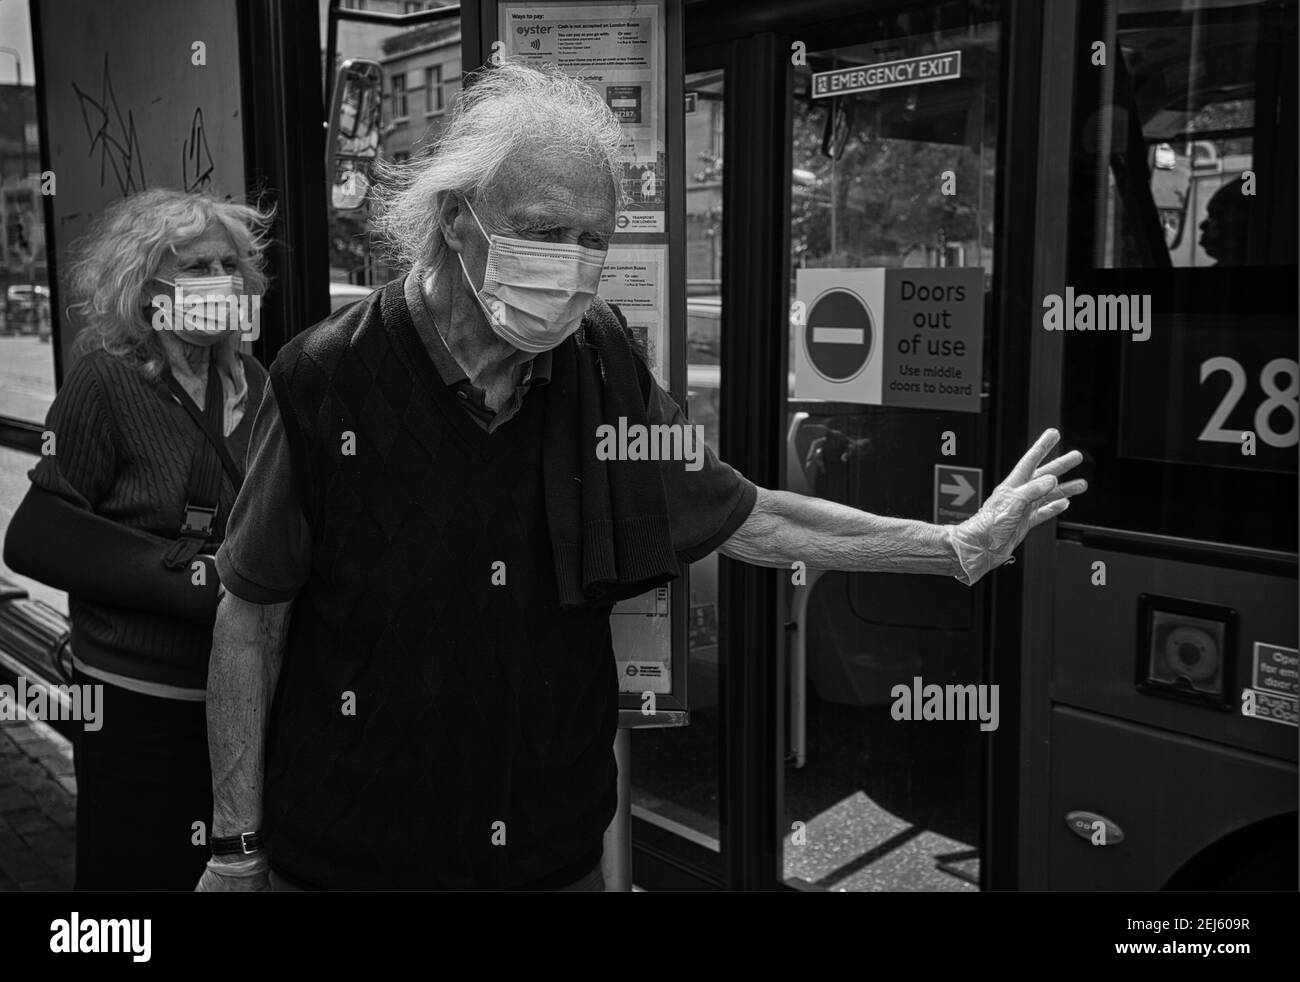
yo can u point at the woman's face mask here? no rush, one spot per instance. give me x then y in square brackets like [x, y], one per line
[203, 309]
[535, 293]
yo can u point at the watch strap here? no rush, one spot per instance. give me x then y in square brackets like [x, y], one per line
[230, 845]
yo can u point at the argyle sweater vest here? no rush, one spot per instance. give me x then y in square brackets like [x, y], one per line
[440, 722]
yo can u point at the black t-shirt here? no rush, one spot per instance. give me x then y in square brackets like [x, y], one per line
[266, 556]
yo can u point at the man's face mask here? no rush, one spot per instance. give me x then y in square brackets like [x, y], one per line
[535, 293]
[204, 308]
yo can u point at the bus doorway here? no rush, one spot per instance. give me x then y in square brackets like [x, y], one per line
[901, 179]
[804, 775]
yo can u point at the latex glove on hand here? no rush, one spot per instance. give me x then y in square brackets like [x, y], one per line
[1029, 496]
[250, 874]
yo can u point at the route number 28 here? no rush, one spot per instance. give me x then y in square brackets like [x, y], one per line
[1276, 398]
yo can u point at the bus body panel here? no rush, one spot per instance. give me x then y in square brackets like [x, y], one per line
[1172, 796]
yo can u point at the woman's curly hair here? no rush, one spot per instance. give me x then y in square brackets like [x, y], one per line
[122, 251]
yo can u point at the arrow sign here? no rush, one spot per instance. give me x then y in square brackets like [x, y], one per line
[958, 492]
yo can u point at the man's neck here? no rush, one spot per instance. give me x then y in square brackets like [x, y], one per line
[463, 325]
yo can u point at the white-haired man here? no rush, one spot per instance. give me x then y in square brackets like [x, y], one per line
[424, 494]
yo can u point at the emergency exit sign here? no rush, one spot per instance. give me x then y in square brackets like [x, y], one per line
[887, 75]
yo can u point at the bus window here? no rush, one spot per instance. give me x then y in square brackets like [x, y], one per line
[1171, 139]
[676, 771]
[1183, 196]
[27, 356]
[421, 75]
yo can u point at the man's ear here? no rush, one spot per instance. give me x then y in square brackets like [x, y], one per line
[452, 205]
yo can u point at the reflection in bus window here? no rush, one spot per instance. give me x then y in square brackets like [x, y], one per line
[422, 74]
[1185, 170]
[26, 355]
[875, 175]
[26, 316]
[896, 177]
[1183, 192]
[676, 771]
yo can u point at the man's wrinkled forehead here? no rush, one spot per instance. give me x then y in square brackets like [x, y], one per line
[576, 196]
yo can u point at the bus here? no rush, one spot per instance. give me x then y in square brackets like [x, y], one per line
[1143, 647]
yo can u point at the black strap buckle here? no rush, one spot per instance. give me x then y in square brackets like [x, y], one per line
[199, 521]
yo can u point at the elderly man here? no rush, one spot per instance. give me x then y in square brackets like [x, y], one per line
[412, 682]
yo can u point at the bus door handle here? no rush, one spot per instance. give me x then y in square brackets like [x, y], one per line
[798, 480]
[797, 630]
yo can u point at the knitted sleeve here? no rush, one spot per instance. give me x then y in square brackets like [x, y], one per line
[79, 450]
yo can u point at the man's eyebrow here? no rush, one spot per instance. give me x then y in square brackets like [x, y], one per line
[536, 214]
[555, 212]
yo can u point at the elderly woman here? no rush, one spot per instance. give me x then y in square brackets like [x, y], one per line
[126, 510]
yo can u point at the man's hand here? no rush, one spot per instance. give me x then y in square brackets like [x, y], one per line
[1029, 496]
[250, 874]
[247, 650]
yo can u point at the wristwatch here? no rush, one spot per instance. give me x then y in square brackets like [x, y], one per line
[246, 843]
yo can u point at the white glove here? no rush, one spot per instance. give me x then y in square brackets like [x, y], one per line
[1028, 497]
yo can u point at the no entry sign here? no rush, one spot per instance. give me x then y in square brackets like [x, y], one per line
[837, 331]
[839, 335]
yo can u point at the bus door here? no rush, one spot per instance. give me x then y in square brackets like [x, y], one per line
[1161, 745]
[845, 209]
[894, 189]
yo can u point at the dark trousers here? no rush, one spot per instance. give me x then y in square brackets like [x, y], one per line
[143, 782]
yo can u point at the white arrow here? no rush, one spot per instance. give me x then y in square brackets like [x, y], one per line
[961, 492]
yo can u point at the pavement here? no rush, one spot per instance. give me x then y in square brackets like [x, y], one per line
[26, 377]
[38, 793]
[38, 802]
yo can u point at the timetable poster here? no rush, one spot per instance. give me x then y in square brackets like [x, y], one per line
[635, 279]
[618, 49]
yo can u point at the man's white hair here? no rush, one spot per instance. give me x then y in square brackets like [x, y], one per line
[510, 112]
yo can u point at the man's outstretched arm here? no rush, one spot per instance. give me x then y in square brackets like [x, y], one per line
[785, 528]
[247, 651]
